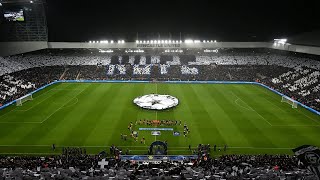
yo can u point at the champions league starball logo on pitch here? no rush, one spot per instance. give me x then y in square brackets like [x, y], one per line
[156, 101]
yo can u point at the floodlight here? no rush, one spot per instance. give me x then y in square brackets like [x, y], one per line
[144, 41]
[148, 42]
[122, 41]
[215, 41]
[31, 2]
[0, 4]
[111, 41]
[166, 41]
[137, 41]
[169, 41]
[89, 41]
[188, 41]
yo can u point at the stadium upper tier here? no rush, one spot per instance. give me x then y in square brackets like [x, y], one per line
[296, 75]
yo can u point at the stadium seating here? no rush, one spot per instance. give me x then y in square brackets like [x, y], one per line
[76, 164]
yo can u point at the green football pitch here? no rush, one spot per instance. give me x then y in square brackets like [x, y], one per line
[249, 119]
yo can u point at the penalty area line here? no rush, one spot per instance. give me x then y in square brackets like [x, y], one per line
[62, 106]
[252, 109]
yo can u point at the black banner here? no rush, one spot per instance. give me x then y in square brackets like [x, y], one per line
[310, 157]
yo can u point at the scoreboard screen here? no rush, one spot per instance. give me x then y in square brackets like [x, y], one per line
[15, 15]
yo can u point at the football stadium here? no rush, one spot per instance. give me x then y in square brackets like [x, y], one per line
[154, 105]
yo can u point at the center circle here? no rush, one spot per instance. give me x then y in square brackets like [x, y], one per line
[156, 101]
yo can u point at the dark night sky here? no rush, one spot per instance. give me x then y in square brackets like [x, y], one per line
[259, 20]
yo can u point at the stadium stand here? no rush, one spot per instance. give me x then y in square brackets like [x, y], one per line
[295, 75]
[74, 163]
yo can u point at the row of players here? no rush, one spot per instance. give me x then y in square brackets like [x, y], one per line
[158, 122]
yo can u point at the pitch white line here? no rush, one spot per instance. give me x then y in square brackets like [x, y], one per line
[295, 109]
[253, 109]
[61, 106]
[297, 125]
[24, 110]
[172, 148]
[307, 116]
[13, 122]
[236, 102]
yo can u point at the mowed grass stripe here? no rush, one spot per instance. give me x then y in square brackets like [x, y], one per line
[25, 133]
[41, 131]
[222, 113]
[208, 131]
[100, 112]
[287, 114]
[300, 110]
[183, 112]
[128, 113]
[251, 126]
[272, 133]
[91, 110]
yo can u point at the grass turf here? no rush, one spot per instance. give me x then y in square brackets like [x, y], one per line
[248, 118]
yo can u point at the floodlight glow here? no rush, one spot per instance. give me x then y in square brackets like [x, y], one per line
[188, 41]
[169, 41]
[204, 41]
[148, 42]
[111, 41]
[0, 4]
[197, 41]
[144, 42]
[151, 41]
[31, 2]
[90, 42]
[215, 41]
[137, 41]
[166, 41]
[162, 41]
[280, 41]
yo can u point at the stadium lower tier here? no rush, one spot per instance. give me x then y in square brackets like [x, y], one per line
[76, 165]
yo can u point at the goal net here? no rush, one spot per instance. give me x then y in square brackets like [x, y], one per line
[290, 101]
[23, 99]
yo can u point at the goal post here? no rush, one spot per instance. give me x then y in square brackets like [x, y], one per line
[290, 101]
[23, 99]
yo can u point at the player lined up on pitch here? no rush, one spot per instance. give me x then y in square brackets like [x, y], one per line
[158, 122]
[133, 134]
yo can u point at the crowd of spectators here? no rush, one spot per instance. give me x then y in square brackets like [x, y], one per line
[77, 165]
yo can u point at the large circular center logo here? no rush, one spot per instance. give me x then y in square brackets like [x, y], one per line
[156, 101]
